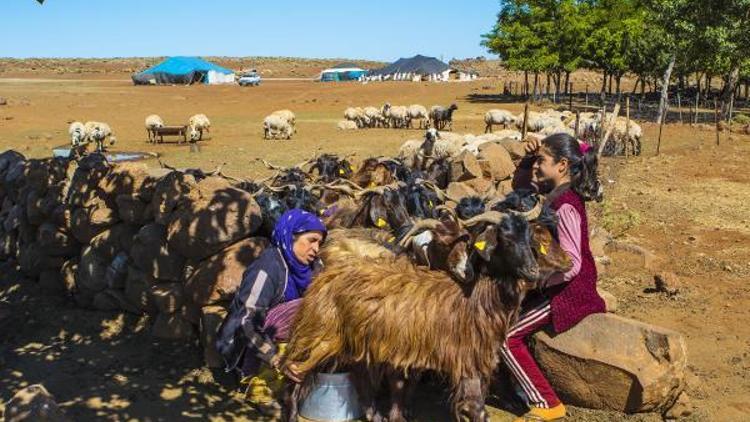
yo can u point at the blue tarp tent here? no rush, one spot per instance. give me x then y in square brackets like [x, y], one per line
[184, 70]
[342, 72]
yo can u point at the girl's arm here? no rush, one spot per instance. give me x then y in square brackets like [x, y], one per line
[257, 292]
[569, 235]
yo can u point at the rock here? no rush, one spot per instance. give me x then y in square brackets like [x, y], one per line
[117, 272]
[51, 282]
[170, 191]
[667, 282]
[172, 327]
[514, 148]
[88, 222]
[505, 187]
[464, 167]
[3, 101]
[495, 161]
[34, 261]
[123, 179]
[482, 186]
[112, 241]
[217, 278]
[460, 190]
[92, 271]
[168, 297]
[681, 409]
[55, 241]
[68, 272]
[207, 225]
[211, 319]
[131, 209]
[151, 253]
[610, 301]
[8, 245]
[85, 180]
[613, 363]
[34, 404]
[138, 290]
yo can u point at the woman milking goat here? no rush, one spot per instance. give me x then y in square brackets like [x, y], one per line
[565, 170]
[254, 333]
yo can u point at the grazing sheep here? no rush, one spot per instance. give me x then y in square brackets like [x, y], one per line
[287, 115]
[418, 112]
[374, 116]
[153, 122]
[396, 116]
[346, 125]
[442, 117]
[196, 125]
[276, 127]
[560, 128]
[77, 132]
[537, 121]
[498, 117]
[98, 132]
[356, 115]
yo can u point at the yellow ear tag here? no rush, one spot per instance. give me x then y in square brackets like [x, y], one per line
[381, 223]
[542, 249]
[391, 239]
[351, 168]
[481, 245]
[429, 204]
[371, 185]
[341, 172]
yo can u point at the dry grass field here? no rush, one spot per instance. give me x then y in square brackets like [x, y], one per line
[689, 206]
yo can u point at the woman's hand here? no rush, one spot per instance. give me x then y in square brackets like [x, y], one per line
[290, 370]
[531, 145]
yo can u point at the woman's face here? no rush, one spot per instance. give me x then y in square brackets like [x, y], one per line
[306, 246]
[547, 173]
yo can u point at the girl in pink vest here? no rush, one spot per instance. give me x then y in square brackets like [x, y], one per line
[566, 172]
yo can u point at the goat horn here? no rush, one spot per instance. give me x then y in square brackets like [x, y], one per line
[450, 211]
[531, 214]
[441, 193]
[427, 223]
[492, 217]
[258, 192]
[269, 165]
[379, 189]
[347, 182]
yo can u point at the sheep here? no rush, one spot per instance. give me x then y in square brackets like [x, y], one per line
[537, 121]
[372, 314]
[396, 116]
[374, 116]
[560, 128]
[346, 125]
[356, 115]
[153, 122]
[442, 117]
[418, 112]
[498, 117]
[196, 125]
[287, 115]
[77, 132]
[275, 126]
[98, 132]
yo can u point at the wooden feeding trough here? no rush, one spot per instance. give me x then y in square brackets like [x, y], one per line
[160, 132]
[65, 151]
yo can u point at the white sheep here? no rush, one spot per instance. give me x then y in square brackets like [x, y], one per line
[196, 125]
[498, 117]
[561, 128]
[356, 115]
[276, 127]
[153, 122]
[375, 116]
[98, 132]
[418, 112]
[346, 125]
[537, 121]
[502, 134]
[287, 115]
[396, 116]
[77, 132]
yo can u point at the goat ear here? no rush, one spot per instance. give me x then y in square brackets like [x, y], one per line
[378, 213]
[486, 243]
[446, 232]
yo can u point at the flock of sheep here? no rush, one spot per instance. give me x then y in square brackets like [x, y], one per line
[85, 133]
[398, 117]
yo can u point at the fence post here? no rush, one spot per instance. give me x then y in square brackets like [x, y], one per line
[679, 106]
[587, 95]
[627, 125]
[697, 99]
[578, 120]
[716, 119]
[525, 120]
[570, 96]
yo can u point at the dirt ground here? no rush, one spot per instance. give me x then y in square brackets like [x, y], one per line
[688, 206]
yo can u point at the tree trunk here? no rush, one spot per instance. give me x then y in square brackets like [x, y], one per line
[728, 92]
[617, 84]
[604, 82]
[665, 89]
[635, 87]
[536, 84]
[609, 87]
[707, 91]
[643, 88]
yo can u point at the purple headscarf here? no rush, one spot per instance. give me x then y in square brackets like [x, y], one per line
[292, 222]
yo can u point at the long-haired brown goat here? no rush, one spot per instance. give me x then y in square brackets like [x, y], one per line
[387, 313]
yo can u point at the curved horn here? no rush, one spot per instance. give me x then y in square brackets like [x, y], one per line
[427, 223]
[378, 189]
[492, 217]
[451, 212]
[440, 193]
[531, 214]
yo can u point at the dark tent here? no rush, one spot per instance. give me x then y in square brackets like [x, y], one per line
[420, 65]
[184, 71]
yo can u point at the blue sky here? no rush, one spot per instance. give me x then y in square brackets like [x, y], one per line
[369, 29]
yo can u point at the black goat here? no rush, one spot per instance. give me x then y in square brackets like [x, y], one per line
[442, 117]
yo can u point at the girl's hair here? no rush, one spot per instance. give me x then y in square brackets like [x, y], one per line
[584, 179]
